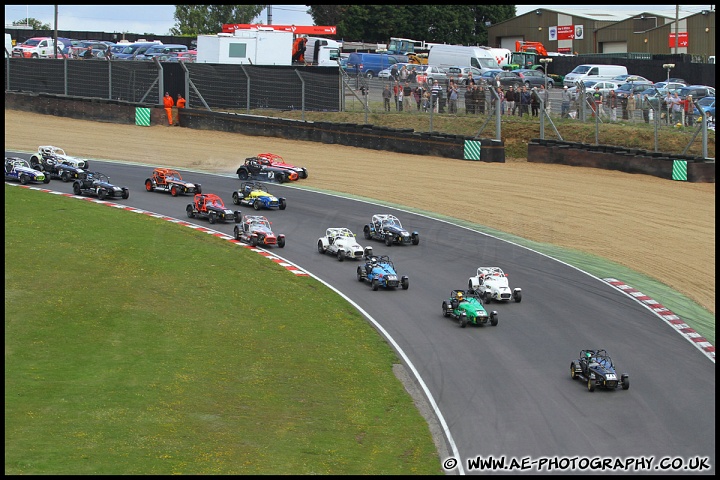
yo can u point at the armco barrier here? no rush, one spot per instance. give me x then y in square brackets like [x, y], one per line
[658, 164]
[354, 135]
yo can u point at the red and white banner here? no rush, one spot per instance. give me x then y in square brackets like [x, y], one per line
[682, 39]
[297, 29]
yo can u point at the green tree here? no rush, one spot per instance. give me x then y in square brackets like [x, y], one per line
[34, 23]
[209, 19]
[455, 24]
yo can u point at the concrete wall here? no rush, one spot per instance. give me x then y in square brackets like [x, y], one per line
[658, 164]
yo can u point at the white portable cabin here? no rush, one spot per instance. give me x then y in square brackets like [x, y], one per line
[256, 47]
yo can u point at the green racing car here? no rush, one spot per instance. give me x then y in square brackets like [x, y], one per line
[467, 307]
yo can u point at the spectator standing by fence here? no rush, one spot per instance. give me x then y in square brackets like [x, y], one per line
[597, 100]
[565, 103]
[675, 108]
[524, 101]
[534, 102]
[453, 97]
[435, 96]
[689, 107]
[396, 93]
[631, 107]
[168, 103]
[401, 98]
[612, 103]
[407, 95]
[510, 101]
[386, 94]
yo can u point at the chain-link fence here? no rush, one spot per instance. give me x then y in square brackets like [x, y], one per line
[252, 88]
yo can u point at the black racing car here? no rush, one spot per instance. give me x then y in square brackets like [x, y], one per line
[96, 183]
[388, 229]
[256, 168]
[596, 368]
[57, 164]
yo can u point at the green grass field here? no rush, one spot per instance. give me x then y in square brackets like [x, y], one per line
[135, 346]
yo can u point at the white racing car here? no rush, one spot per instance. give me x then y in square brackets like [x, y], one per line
[491, 283]
[341, 242]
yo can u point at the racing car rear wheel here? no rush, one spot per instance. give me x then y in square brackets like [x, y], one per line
[375, 284]
[148, 185]
[591, 385]
[321, 249]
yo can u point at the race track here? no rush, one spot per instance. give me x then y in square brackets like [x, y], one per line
[503, 391]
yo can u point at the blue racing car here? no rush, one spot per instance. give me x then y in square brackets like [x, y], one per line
[380, 272]
[596, 368]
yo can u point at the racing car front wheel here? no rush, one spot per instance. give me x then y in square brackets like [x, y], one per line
[375, 284]
[148, 185]
[190, 212]
[321, 249]
[591, 385]
[573, 375]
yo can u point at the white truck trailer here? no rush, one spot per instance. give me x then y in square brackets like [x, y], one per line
[255, 47]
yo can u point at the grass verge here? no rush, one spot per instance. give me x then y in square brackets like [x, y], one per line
[134, 346]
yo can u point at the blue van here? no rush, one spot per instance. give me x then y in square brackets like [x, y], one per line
[370, 64]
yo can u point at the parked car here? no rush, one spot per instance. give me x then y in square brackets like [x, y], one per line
[535, 78]
[370, 64]
[256, 230]
[507, 78]
[467, 308]
[491, 283]
[160, 49]
[387, 228]
[256, 195]
[379, 271]
[19, 169]
[169, 180]
[341, 242]
[671, 87]
[707, 104]
[604, 87]
[386, 73]
[98, 184]
[636, 88]
[697, 92]
[431, 73]
[596, 368]
[622, 79]
[210, 206]
[131, 51]
[461, 74]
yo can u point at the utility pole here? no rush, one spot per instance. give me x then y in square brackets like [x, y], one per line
[677, 20]
[269, 14]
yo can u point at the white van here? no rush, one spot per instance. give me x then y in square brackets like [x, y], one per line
[597, 73]
[462, 56]
[502, 55]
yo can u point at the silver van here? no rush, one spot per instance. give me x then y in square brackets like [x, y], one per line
[598, 73]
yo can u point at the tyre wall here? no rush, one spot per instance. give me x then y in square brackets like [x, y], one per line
[663, 165]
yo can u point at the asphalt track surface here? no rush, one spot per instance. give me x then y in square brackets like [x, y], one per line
[502, 391]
